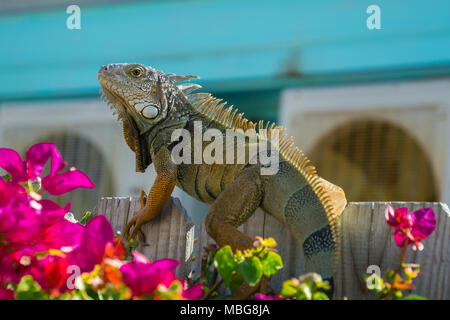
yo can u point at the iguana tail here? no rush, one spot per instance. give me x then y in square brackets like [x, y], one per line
[309, 209]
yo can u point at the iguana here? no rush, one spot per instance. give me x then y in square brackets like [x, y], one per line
[152, 105]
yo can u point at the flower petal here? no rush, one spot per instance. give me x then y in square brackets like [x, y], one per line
[6, 294]
[97, 233]
[424, 223]
[390, 216]
[194, 292]
[400, 238]
[11, 161]
[165, 264]
[140, 258]
[64, 182]
[143, 278]
[37, 156]
[259, 296]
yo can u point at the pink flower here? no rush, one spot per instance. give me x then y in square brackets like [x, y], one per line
[56, 183]
[259, 296]
[194, 292]
[50, 272]
[412, 226]
[5, 294]
[83, 246]
[143, 276]
[35, 238]
[24, 223]
[30, 227]
[90, 245]
[10, 191]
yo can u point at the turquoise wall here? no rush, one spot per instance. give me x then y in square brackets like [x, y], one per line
[233, 45]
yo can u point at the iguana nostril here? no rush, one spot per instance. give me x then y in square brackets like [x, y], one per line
[105, 68]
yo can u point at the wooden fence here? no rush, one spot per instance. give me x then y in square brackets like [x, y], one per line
[366, 241]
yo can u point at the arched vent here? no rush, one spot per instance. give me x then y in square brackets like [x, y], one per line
[82, 154]
[375, 161]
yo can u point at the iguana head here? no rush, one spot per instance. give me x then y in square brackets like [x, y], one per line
[142, 97]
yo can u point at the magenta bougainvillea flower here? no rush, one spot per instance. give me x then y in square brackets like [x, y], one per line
[143, 276]
[89, 248]
[192, 293]
[51, 272]
[259, 296]
[56, 183]
[411, 226]
[29, 242]
[77, 245]
[36, 239]
[5, 294]
[33, 229]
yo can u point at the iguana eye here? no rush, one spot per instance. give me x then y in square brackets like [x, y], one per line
[137, 72]
[150, 112]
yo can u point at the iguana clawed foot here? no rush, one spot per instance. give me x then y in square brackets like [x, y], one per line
[136, 222]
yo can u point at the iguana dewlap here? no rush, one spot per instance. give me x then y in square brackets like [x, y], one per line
[152, 104]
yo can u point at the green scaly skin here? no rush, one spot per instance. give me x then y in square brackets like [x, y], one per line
[152, 104]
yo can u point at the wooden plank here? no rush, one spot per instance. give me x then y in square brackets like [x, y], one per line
[169, 235]
[354, 231]
[292, 255]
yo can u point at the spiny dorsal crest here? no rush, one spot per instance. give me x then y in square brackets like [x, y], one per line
[178, 78]
[186, 88]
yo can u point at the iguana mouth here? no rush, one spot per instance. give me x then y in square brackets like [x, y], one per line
[136, 141]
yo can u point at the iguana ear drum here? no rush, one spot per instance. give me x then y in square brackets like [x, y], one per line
[150, 111]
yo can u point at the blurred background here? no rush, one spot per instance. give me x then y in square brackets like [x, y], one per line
[368, 106]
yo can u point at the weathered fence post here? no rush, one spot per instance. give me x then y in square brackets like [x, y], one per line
[169, 235]
[366, 241]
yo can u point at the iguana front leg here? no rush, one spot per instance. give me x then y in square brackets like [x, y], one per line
[230, 210]
[166, 175]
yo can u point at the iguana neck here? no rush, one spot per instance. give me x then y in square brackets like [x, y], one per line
[180, 114]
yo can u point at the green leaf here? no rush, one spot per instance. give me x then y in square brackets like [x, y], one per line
[413, 297]
[271, 263]
[251, 270]
[131, 245]
[236, 281]
[390, 275]
[86, 218]
[319, 295]
[7, 177]
[289, 289]
[225, 264]
[28, 289]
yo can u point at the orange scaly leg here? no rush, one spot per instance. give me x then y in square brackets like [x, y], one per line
[157, 198]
